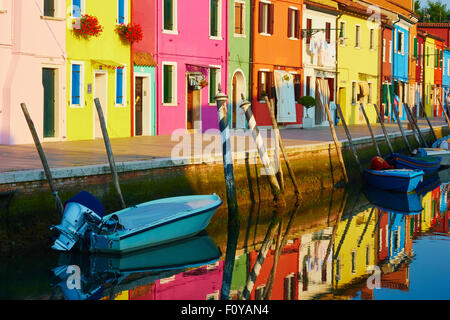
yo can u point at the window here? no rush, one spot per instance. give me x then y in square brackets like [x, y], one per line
[121, 12]
[384, 50]
[367, 255]
[308, 86]
[342, 33]
[357, 36]
[289, 287]
[214, 18]
[297, 86]
[354, 87]
[77, 8]
[293, 23]
[369, 97]
[428, 57]
[353, 261]
[436, 53]
[169, 83]
[372, 39]
[308, 27]
[264, 84]
[328, 32]
[390, 51]
[120, 86]
[416, 48]
[169, 12]
[265, 25]
[214, 79]
[239, 14]
[76, 85]
[400, 42]
[49, 8]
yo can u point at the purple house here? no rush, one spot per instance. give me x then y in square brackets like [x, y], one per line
[190, 48]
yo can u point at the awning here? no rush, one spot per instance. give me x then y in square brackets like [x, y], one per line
[109, 64]
[364, 89]
[144, 59]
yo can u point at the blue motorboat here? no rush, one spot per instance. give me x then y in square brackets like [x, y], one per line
[152, 223]
[394, 202]
[401, 180]
[426, 164]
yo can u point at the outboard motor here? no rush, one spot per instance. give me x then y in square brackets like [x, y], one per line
[83, 213]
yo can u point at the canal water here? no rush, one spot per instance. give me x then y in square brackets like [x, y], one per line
[355, 243]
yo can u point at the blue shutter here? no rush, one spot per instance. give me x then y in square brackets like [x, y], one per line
[76, 84]
[76, 8]
[121, 11]
[119, 86]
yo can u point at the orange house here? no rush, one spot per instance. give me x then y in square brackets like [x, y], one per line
[277, 60]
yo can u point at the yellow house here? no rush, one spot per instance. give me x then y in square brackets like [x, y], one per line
[98, 66]
[429, 75]
[358, 61]
[355, 248]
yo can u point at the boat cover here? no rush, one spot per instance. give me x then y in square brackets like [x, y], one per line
[89, 201]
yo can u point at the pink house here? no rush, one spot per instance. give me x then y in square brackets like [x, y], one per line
[190, 47]
[32, 69]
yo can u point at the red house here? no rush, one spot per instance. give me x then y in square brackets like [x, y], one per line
[442, 30]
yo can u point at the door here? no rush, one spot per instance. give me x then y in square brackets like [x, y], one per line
[48, 83]
[238, 89]
[100, 92]
[193, 105]
[139, 98]
[235, 102]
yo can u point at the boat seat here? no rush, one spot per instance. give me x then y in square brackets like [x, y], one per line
[153, 212]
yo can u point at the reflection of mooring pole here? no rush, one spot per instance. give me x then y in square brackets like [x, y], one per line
[112, 164]
[48, 174]
[233, 214]
[265, 160]
[283, 150]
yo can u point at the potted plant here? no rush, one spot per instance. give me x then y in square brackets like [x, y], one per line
[130, 32]
[87, 26]
[308, 102]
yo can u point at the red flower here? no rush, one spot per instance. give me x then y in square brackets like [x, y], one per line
[89, 26]
[129, 32]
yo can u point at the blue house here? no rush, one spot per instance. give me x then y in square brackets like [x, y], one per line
[400, 65]
[446, 75]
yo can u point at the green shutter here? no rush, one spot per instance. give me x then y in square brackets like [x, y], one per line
[168, 75]
[214, 18]
[212, 84]
[168, 14]
[415, 48]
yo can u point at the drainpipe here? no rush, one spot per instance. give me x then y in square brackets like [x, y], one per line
[336, 92]
[132, 72]
[380, 89]
[251, 50]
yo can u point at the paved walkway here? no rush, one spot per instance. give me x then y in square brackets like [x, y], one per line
[92, 152]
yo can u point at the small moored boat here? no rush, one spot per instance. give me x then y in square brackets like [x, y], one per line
[401, 180]
[152, 223]
[426, 164]
[434, 153]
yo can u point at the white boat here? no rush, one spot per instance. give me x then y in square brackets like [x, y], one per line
[444, 154]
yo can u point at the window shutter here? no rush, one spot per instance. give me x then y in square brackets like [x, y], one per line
[212, 84]
[415, 48]
[271, 17]
[119, 85]
[168, 14]
[259, 84]
[261, 17]
[269, 84]
[49, 8]
[167, 84]
[76, 68]
[297, 24]
[297, 86]
[309, 27]
[328, 32]
[289, 28]
[214, 17]
[121, 11]
[76, 8]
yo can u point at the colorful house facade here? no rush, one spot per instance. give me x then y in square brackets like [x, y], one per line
[192, 60]
[429, 87]
[97, 67]
[239, 66]
[32, 72]
[358, 61]
[446, 76]
[277, 72]
[319, 57]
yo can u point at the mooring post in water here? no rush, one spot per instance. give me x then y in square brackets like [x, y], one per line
[399, 123]
[233, 214]
[428, 121]
[109, 153]
[265, 160]
[411, 122]
[386, 136]
[283, 149]
[374, 141]
[336, 142]
[445, 112]
[349, 137]
[40, 150]
[278, 167]
[425, 143]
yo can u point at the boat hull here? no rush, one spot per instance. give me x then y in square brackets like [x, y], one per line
[435, 153]
[156, 234]
[427, 164]
[394, 180]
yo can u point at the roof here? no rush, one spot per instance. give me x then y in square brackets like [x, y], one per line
[433, 24]
[322, 4]
[143, 59]
[351, 6]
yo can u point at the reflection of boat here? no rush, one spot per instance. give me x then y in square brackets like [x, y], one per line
[426, 164]
[395, 202]
[444, 175]
[148, 224]
[97, 271]
[400, 180]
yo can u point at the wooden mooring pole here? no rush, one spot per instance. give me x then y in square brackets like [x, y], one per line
[385, 133]
[428, 121]
[264, 157]
[349, 137]
[397, 118]
[40, 150]
[415, 124]
[109, 153]
[374, 141]
[233, 213]
[411, 123]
